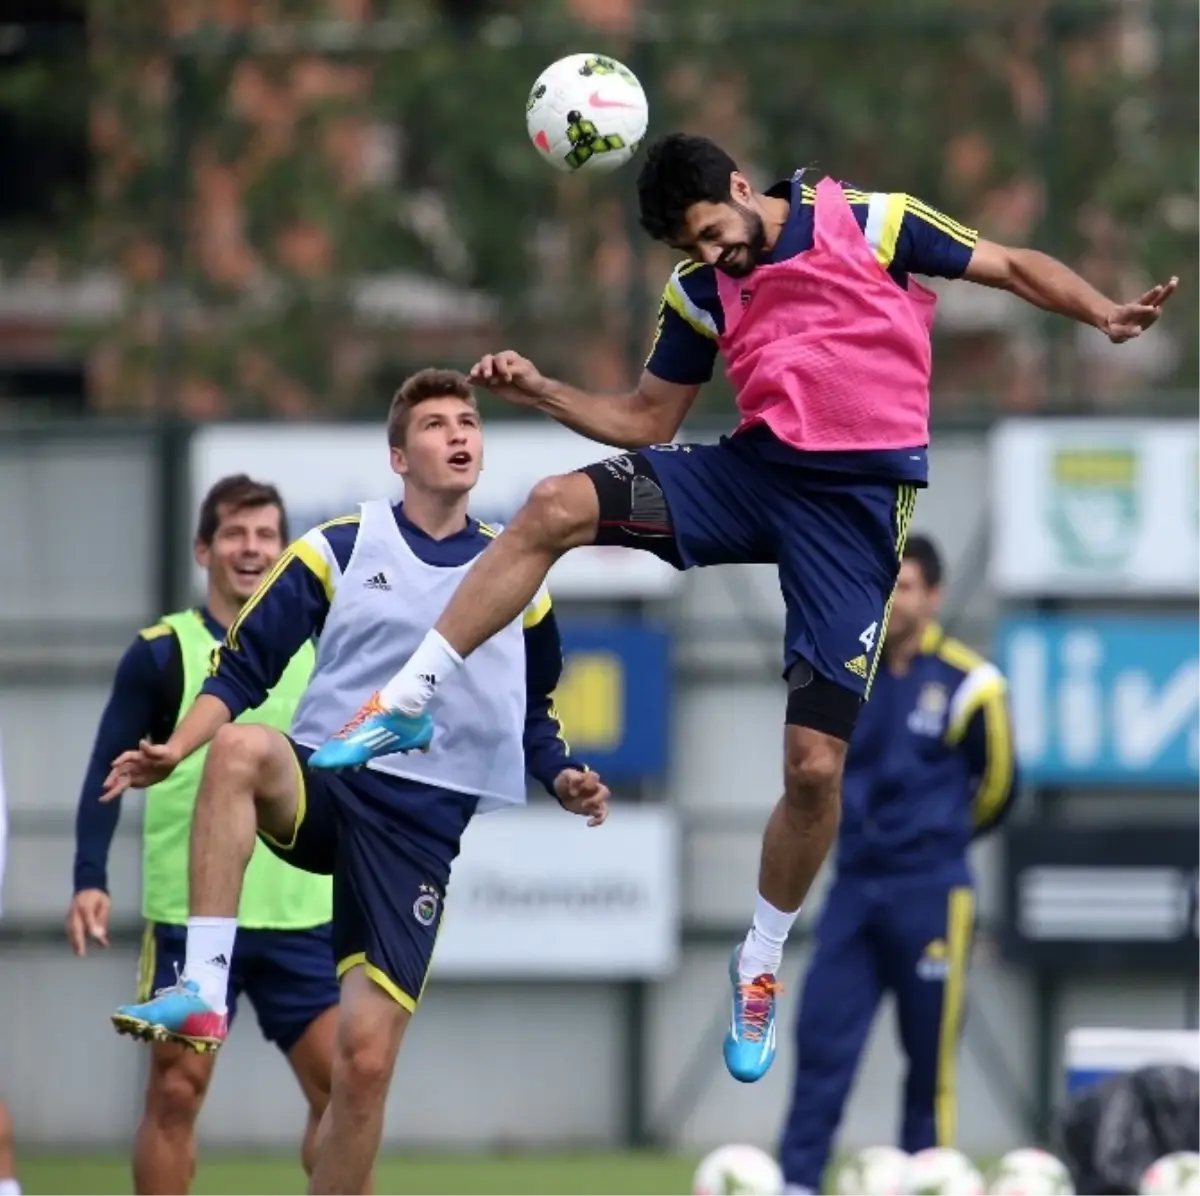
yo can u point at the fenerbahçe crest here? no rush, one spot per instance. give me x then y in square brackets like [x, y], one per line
[1095, 509]
[425, 908]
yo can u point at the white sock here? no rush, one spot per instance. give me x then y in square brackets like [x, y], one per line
[9, 1187]
[209, 950]
[762, 952]
[412, 687]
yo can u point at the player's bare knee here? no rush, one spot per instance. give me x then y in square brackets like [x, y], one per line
[6, 1129]
[176, 1089]
[813, 774]
[559, 514]
[241, 755]
[236, 752]
[366, 1063]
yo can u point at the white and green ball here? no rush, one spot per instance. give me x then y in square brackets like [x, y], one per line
[873, 1171]
[737, 1171]
[1175, 1174]
[587, 113]
[1030, 1172]
[940, 1171]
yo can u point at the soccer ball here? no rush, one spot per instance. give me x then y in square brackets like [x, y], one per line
[1031, 1173]
[1175, 1174]
[737, 1169]
[587, 112]
[939, 1171]
[875, 1171]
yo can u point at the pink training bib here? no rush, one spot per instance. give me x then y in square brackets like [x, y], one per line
[825, 348]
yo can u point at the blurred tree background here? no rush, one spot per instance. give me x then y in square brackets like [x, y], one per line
[276, 207]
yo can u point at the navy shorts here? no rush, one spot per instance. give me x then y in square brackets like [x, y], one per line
[389, 845]
[287, 975]
[836, 538]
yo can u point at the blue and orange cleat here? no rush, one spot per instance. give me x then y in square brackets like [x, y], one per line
[175, 1014]
[750, 1043]
[374, 731]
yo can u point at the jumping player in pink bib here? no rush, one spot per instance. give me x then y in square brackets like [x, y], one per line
[809, 296]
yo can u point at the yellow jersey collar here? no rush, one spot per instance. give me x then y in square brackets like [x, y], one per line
[931, 639]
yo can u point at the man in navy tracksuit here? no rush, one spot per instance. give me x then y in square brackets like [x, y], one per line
[930, 767]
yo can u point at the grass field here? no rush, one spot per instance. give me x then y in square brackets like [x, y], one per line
[404, 1175]
[516, 1175]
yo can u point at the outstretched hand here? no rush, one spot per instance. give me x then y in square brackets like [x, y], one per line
[148, 764]
[510, 376]
[583, 793]
[1129, 320]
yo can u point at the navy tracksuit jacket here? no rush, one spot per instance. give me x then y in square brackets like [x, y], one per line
[929, 768]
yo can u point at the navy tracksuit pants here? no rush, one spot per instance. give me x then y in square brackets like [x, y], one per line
[905, 935]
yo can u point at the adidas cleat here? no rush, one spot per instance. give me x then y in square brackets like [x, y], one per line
[175, 1014]
[750, 1043]
[374, 731]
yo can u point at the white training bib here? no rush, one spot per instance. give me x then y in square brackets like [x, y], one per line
[385, 601]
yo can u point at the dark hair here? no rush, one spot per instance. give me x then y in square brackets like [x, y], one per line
[238, 492]
[420, 388]
[924, 551]
[680, 170]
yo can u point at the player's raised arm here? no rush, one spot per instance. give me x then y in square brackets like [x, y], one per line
[1049, 284]
[650, 414]
[680, 362]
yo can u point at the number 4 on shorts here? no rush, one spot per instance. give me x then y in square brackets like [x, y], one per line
[867, 639]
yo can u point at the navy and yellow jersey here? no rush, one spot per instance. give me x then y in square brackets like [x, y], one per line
[930, 765]
[906, 236]
[147, 690]
[290, 608]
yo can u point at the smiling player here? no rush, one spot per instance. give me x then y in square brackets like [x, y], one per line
[284, 960]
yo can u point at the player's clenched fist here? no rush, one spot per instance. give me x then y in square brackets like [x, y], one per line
[510, 376]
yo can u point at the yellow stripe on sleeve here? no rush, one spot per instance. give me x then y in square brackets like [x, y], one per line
[956, 654]
[958, 232]
[677, 299]
[998, 773]
[553, 715]
[318, 566]
[659, 321]
[156, 632]
[885, 215]
[285, 559]
[537, 610]
[312, 559]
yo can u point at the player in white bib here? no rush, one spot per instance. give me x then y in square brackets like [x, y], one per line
[367, 586]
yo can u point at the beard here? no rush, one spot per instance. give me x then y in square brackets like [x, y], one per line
[742, 258]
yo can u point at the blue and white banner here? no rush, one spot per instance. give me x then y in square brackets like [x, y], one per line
[1104, 700]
